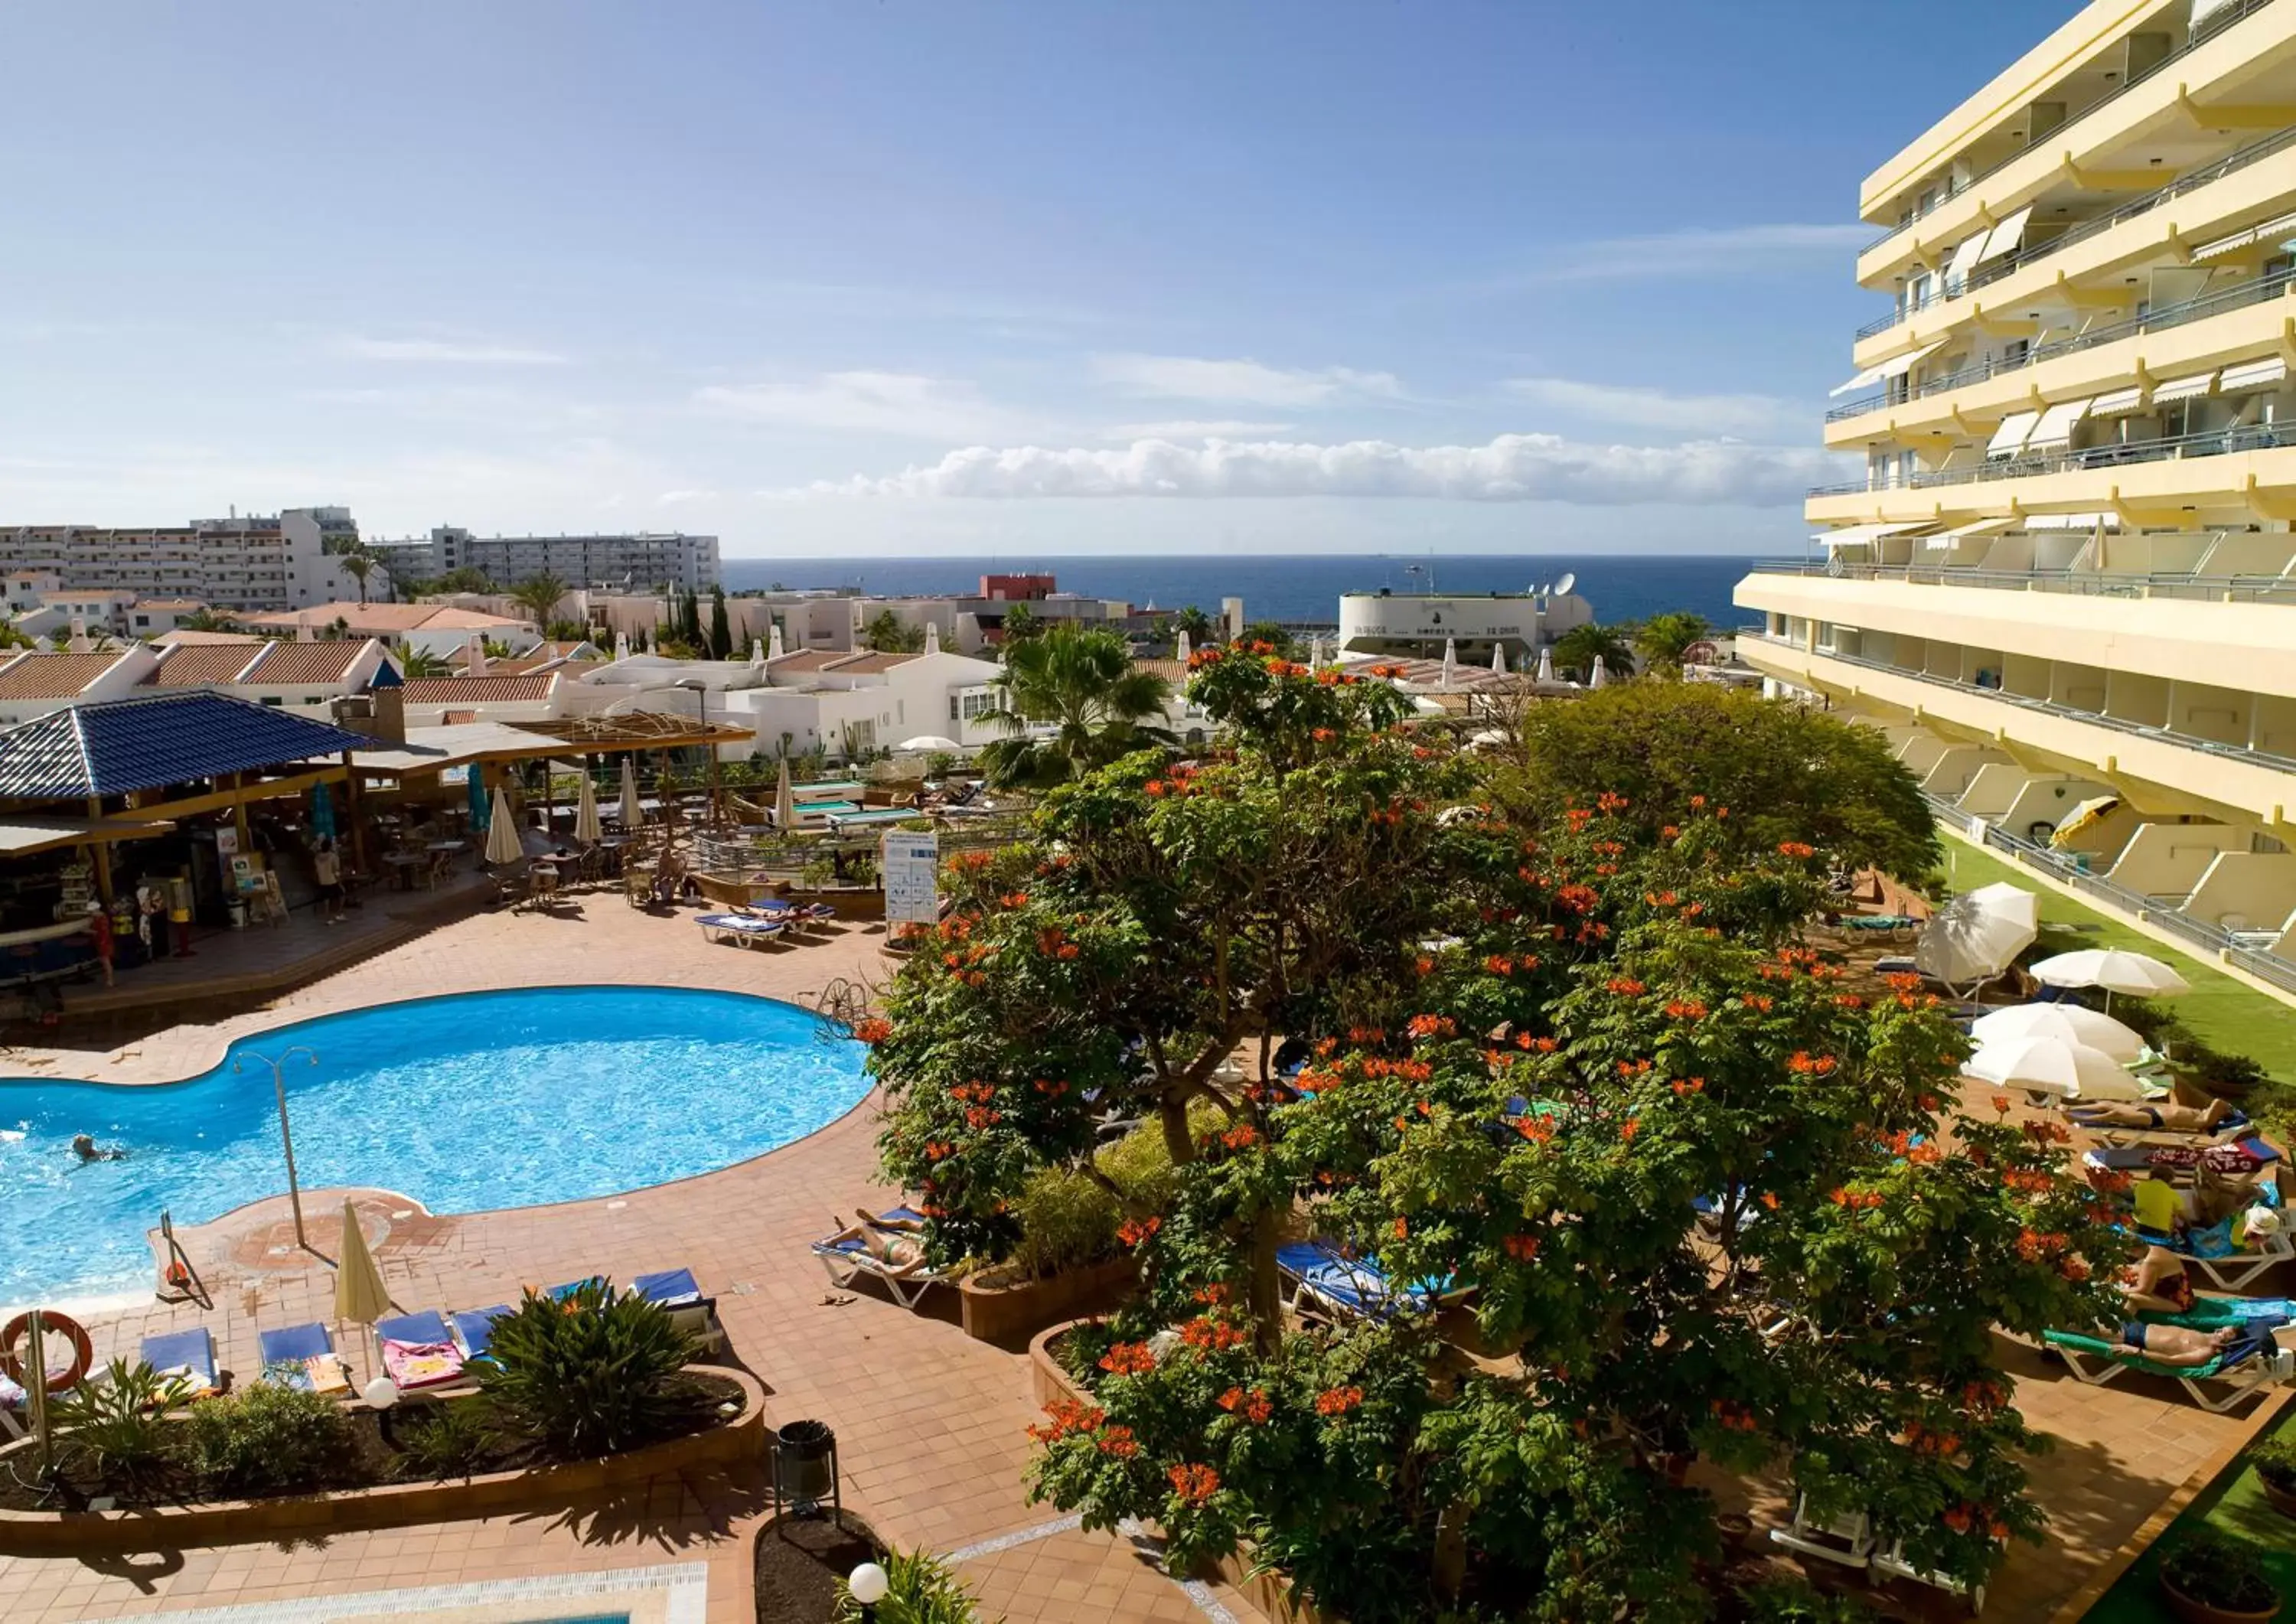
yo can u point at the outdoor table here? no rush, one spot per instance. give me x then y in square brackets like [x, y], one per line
[402, 865]
[442, 856]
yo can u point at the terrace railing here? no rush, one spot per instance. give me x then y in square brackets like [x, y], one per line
[2205, 589]
[2169, 447]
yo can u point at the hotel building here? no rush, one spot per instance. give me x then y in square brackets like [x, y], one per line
[2065, 582]
[283, 561]
[639, 560]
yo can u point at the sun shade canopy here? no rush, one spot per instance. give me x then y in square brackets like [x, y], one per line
[125, 745]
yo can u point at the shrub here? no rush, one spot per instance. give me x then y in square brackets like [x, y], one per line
[1066, 1222]
[266, 1440]
[2274, 1460]
[112, 1422]
[587, 1375]
[2220, 1571]
[446, 1440]
[1794, 1600]
[922, 1590]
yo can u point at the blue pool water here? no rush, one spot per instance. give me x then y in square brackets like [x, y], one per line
[469, 1103]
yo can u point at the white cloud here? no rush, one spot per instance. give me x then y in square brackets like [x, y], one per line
[1512, 468]
[1650, 408]
[674, 498]
[446, 352]
[1246, 382]
[1697, 251]
[1189, 428]
[866, 403]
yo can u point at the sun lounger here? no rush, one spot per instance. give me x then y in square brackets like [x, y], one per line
[690, 1311]
[1890, 1563]
[1320, 1276]
[188, 1356]
[1848, 1539]
[302, 1357]
[845, 1260]
[2238, 1376]
[418, 1350]
[474, 1328]
[738, 928]
[2242, 1156]
[15, 1410]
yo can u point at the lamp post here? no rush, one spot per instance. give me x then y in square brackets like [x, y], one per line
[868, 1584]
[286, 1138]
[381, 1395]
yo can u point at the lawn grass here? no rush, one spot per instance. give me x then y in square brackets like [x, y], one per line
[2227, 1015]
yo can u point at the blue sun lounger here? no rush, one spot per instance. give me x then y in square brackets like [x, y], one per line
[677, 1290]
[1357, 1287]
[474, 1328]
[739, 928]
[302, 1357]
[189, 1356]
[845, 1260]
[419, 1350]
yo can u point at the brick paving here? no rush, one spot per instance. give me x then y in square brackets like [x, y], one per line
[929, 1422]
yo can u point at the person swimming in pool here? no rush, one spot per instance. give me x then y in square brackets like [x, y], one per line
[86, 1148]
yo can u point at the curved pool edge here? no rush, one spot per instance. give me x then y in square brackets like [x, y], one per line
[211, 1061]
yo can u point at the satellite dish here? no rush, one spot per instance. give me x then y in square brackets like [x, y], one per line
[1541, 592]
[1563, 587]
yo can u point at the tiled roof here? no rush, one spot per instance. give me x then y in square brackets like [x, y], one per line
[150, 743]
[371, 619]
[186, 639]
[477, 690]
[1172, 671]
[196, 664]
[36, 676]
[309, 662]
[168, 604]
[808, 659]
[870, 665]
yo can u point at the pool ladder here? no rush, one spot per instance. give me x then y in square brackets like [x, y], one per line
[179, 1282]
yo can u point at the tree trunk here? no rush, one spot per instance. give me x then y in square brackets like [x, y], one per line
[1450, 1551]
[1265, 1287]
[1172, 1114]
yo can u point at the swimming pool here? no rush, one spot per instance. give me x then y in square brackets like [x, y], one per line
[467, 1103]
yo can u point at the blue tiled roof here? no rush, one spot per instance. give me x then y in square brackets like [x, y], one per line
[129, 744]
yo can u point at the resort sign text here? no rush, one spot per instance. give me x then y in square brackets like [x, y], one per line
[911, 866]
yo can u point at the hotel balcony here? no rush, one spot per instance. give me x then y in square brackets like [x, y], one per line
[2118, 99]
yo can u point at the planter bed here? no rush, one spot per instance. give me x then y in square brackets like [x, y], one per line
[368, 1496]
[801, 1559]
[1009, 1314]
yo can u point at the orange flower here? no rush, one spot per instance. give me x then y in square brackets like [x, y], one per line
[1625, 986]
[1195, 1484]
[875, 1030]
[1128, 1359]
[1119, 1442]
[1211, 1335]
[1136, 1230]
[2001, 1103]
[1403, 1229]
[1338, 1401]
[1068, 1416]
[1634, 1125]
[1522, 1247]
[1254, 1407]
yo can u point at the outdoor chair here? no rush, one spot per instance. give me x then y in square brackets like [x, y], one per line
[473, 1329]
[1890, 1563]
[847, 1260]
[303, 1357]
[676, 1291]
[2219, 1386]
[739, 929]
[418, 1350]
[1319, 1277]
[188, 1356]
[1847, 1540]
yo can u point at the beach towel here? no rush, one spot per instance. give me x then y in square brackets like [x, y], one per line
[413, 1365]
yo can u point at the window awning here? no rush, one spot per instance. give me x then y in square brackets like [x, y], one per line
[1965, 259]
[2202, 9]
[1857, 535]
[1944, 539]
[1895, 366]
[2183, 389]
[2253, 375]
[2009, 438]
[2071, 521]
[2119, 402]
[2005, 238]
[2056, 425]
[2279, 226]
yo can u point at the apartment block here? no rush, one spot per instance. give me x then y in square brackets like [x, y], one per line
[283, 560]
[631, 560]
[2065, 582]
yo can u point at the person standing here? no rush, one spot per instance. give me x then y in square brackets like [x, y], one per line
[327, 865]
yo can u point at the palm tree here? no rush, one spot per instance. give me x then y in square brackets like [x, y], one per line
[417, 663]
[1196, 623]
[358, 566]
[538, 594]
[1577, 649]
[1662, 639]
[1083, 686]
[207, 620]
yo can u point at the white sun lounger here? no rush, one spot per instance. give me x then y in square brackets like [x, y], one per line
[846, 1261]
[1848, 1539]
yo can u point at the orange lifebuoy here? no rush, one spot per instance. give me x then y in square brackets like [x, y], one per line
[83, 1350]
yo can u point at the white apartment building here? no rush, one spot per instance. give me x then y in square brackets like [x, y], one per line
[2065, 585]
[1473, 624]
[630, 560]
[283, 561]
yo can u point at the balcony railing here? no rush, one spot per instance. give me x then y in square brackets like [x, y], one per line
[2204, 589]
[2256, 290]
[2042, 707]
[2202, 36]
[1986, 275]
[2172, 448]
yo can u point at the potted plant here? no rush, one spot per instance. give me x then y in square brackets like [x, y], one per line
[2209, 1578]
[2274, 1460]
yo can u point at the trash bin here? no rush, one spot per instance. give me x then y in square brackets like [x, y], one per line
[238, 912]
[804, 1467]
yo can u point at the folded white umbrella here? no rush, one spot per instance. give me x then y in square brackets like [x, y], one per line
[586, 831]
[2067, 1023]
[1978, 935]
[503, 844]
[632, 813]
[2113, 969]
[2051, 1065]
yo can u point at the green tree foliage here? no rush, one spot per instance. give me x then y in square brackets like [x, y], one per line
[1199, 626]
[921, 1589]
[1275, 639]
[1785, 774]
[465, 579]
[538, 596]
[1021, 623]
[114, 1422]
[1661, 639]
[886, 635]
[569, 631]
[267, 1439]
[1577, 649]
[587, 1375]
[1684, 1192]
[417, 664]
[1082, 685]
[721, 630]
[358, 565]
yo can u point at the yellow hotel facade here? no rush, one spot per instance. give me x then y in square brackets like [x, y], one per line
[2067, 575]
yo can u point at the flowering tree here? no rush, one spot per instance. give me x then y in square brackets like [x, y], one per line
[1659, 1183]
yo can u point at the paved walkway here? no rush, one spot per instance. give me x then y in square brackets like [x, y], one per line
[929, 1422]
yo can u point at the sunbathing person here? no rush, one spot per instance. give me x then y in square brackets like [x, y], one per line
[892, 1244]
[2161, 1286]
[2168, 1115]
[2189, 1350]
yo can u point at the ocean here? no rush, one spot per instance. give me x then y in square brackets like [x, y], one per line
[1286, 588]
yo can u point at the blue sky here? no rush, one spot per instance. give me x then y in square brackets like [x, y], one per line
[901, 277]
